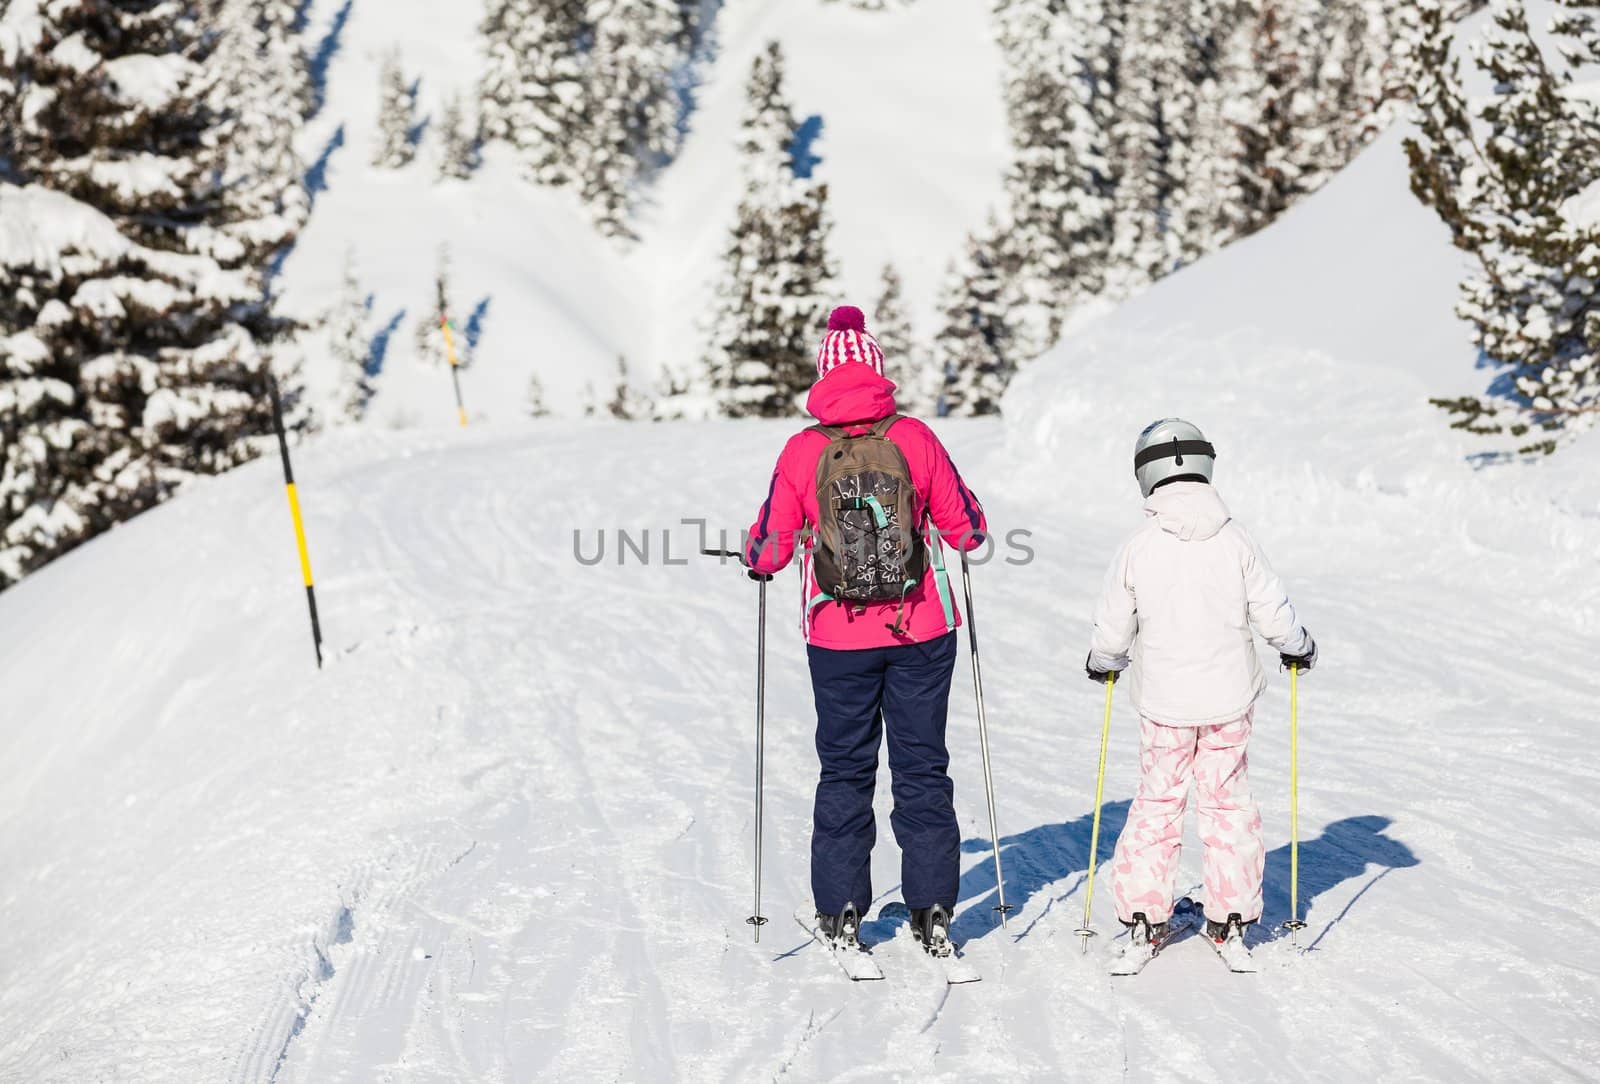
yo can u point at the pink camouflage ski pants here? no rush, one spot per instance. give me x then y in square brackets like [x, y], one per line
[1146, 860]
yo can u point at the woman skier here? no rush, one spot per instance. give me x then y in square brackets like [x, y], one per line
[856, 494]
[1182, 596]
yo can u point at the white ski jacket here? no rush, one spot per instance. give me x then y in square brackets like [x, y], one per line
[1182, 596]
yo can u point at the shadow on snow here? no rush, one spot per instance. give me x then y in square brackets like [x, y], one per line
[1039, 859]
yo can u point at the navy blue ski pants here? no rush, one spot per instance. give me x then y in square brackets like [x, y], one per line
[904, 690]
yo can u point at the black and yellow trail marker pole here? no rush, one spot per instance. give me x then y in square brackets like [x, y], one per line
[294, 513]
[450, 350]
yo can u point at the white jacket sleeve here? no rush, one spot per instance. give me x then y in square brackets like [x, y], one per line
[1116, 620]
[1271, 612]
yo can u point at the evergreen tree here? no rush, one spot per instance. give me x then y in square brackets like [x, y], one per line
[1059, 190]
[431, 348]
[1534, 298]
[458, 150]
[975, 348]
[397, 116]
[535, 405]
[890, 324]
[134, 321]
[533, 88]
[772, 301]
[632, 109]
[628, 404]
[351, 344]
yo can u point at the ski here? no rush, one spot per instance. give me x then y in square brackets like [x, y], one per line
[1186, 916]
[950, 962]
[857, 964]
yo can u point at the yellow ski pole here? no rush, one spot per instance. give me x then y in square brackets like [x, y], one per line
[1294, 925]
[1087, 931]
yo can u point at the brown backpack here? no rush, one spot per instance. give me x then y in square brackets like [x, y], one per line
[869, 538]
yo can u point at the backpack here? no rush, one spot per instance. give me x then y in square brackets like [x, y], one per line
[869, 538]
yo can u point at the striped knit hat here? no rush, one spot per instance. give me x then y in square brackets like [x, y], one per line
[847, 341]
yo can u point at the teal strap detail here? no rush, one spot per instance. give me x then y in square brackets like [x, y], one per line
[821, 597]
[941, 580]
[880, 515]
[857, 504]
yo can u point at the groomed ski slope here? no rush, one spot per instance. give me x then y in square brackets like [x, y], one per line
[504, 835]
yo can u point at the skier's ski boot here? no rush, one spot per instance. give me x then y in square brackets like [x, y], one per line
[1141, 931]
[930, 926]
[1224, 932]
[843, 929]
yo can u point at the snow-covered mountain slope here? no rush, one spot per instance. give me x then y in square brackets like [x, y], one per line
[912, 165]
[505, 834]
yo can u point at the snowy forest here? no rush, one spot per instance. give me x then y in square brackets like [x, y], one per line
[152, 188]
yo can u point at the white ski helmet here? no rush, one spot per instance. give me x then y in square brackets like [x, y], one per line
[1171, 448]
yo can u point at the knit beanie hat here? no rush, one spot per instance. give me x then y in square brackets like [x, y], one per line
[848, 341]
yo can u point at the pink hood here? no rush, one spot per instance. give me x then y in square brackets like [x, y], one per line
[851, 393]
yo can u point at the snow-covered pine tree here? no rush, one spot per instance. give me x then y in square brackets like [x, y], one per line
[772, 301]
[350, 342]
[1525, 202]
[535, 404]
[1058, 185]
[627, 403]
[429, 339]
[533, 88]
[1140, 154]
[631, 104]
[458, 142]
[132, 306]
[397, 116]
[890, 325]
[975, 348]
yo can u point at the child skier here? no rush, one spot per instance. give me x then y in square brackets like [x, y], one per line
[1182, 596]
[879, 622]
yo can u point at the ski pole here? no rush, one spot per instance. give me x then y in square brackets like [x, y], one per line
[1294, 925]
[1087, 931]
[756, 919]
[983, 739]
[294, 514]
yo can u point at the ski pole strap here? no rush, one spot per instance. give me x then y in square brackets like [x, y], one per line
[941, 580]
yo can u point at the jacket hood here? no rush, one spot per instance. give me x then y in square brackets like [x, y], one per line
[851, 393]
[1191, 511]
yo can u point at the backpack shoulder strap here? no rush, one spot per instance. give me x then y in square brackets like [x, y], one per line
[881, 429]
[832, 432]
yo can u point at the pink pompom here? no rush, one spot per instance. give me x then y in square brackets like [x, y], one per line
[847, 318]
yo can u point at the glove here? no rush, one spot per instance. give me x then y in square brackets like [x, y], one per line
[1102, 676]
[759, 577]
[1303, 662]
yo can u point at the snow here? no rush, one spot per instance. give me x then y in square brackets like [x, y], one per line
[912, 166]
[1582, 211]
[148, 80]
[42, 227]
[505, 833]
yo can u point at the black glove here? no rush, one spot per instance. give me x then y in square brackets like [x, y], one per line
[759, 577]
[1102, 676]
[1304, 663]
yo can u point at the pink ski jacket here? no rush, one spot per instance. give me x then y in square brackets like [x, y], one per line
[849, 396]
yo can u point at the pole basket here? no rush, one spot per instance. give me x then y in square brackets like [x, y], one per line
[1085, 933]
[1294, 926]
[756, 921]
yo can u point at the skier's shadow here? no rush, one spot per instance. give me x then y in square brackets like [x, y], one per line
[1345, 850]
[1045, 856]
[1034, 860]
